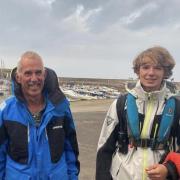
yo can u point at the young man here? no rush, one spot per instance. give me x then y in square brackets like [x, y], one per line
[134, 142]
[37, 133]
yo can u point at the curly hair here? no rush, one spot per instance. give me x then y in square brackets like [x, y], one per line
[157, 55]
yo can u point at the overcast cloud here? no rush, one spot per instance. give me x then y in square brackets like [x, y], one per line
[88, 38]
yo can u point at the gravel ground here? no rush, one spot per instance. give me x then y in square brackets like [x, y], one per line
[88, 116]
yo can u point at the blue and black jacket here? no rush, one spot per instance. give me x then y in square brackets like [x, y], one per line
[49, 152]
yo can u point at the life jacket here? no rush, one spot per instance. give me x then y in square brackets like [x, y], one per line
[131, 119]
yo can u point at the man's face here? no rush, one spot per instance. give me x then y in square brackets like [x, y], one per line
[31, 78]
[151, 76]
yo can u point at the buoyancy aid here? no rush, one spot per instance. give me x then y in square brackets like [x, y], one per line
[133, 123]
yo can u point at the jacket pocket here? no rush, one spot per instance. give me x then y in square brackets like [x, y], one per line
[115, 165]
[56, 136]
[18, 141]
[121, 166]
[59, 174]
[13, 174]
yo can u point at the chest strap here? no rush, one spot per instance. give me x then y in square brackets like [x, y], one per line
[148, 143]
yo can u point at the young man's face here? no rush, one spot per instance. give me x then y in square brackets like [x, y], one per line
[31, 78]
[151, 76]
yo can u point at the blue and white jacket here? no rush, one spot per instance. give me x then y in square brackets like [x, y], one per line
[113, 164]
[49, 152]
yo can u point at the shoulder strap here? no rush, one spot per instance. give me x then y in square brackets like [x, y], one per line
[120, 110]
[175, 131]
[177, 109]
[122, 128]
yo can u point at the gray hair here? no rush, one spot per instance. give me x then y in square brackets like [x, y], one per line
[29, 55]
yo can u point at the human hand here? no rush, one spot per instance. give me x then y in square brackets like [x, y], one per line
[157, 172]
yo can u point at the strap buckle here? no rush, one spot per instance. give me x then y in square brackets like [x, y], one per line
[144, 143]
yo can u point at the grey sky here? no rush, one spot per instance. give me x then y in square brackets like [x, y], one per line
[88, 38]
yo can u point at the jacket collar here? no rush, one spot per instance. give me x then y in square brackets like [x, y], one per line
[167, 90]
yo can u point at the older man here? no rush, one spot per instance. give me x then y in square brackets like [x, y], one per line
[37, 133]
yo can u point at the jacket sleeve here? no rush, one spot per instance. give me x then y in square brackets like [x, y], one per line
[3, 140]
[71, 147]
[107, 144]
[173, 160]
